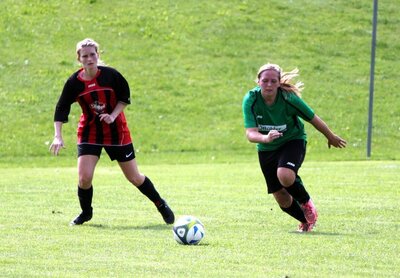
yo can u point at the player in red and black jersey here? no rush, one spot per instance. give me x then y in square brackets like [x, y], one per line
[97, 96]
[103, 93]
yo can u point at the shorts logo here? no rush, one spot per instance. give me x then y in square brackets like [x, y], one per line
[129, 154]
[291, 164]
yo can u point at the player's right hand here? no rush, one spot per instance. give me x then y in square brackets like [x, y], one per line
[272, 135]
[57, 145]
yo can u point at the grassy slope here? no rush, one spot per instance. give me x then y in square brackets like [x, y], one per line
[189, 64]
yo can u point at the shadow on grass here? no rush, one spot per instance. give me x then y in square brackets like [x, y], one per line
[123, 227]
[316, 233]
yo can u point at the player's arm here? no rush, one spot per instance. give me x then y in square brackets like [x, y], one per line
[58, 141]
[254, 136]
[333, 139]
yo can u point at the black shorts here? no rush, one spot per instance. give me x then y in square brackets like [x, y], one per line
[119, 153]
[291, 155]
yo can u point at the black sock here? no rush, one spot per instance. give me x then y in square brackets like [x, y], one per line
[295, 211]
[85, 199]
[298, 191]
[148, 189]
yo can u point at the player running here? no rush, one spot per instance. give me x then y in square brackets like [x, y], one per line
[272, 114]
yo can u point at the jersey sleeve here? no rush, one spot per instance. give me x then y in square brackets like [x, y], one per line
[122, 88]
[248, 116]
[303, 110]
[65, 101]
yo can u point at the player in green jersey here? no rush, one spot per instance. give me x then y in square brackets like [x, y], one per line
[273, 117]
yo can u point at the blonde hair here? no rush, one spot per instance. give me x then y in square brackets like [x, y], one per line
[86, 43]
[285, 78]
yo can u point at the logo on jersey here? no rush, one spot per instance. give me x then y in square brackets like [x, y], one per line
[98, 107]
[280, 128]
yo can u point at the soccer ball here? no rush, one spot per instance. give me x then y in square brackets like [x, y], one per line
[188, 230]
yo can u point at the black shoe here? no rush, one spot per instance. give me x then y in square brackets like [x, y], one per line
[81, 218]
[166, 212]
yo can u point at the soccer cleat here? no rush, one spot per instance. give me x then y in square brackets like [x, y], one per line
[81, 218]
[305, 227]
[166, 212]
[310, 212]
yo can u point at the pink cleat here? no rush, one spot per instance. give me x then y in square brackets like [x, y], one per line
[310, 212]
[305, 227]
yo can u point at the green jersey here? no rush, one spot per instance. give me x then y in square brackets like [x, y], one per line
[284, 116]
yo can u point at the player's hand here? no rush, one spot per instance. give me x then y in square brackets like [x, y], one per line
[337, 142]
[272, 135]
[109, 119]
[57, 145]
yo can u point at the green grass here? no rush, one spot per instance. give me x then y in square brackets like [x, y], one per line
[189, 64]
[247, 235]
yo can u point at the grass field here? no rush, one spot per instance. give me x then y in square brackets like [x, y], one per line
[189, 64]
[246, 234]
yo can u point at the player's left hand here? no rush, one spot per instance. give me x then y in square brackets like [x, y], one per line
[109, 119]
[337, 142]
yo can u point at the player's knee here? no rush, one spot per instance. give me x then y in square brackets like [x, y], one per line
[286, 176]
[85, 181]
[136, 180]
[286, 181]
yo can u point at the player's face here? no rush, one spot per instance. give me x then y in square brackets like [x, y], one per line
[88, 57]
[269, 82]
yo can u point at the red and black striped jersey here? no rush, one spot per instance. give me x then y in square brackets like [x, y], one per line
[97, 96]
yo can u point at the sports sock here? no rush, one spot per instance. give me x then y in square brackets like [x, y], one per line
[295, 211]
[298, 191]
[147, 188]
[85, 199]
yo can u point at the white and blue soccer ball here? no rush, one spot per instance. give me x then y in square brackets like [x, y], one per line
[188, 230]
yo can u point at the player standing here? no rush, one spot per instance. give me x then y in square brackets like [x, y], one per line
[103, 93]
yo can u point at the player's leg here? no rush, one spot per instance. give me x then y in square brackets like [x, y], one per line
[268, 163]
[300, 195]
[289, 164]
[127, 162]
[292, 183]
[146, 187]
[86, 166]
[289, 205]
